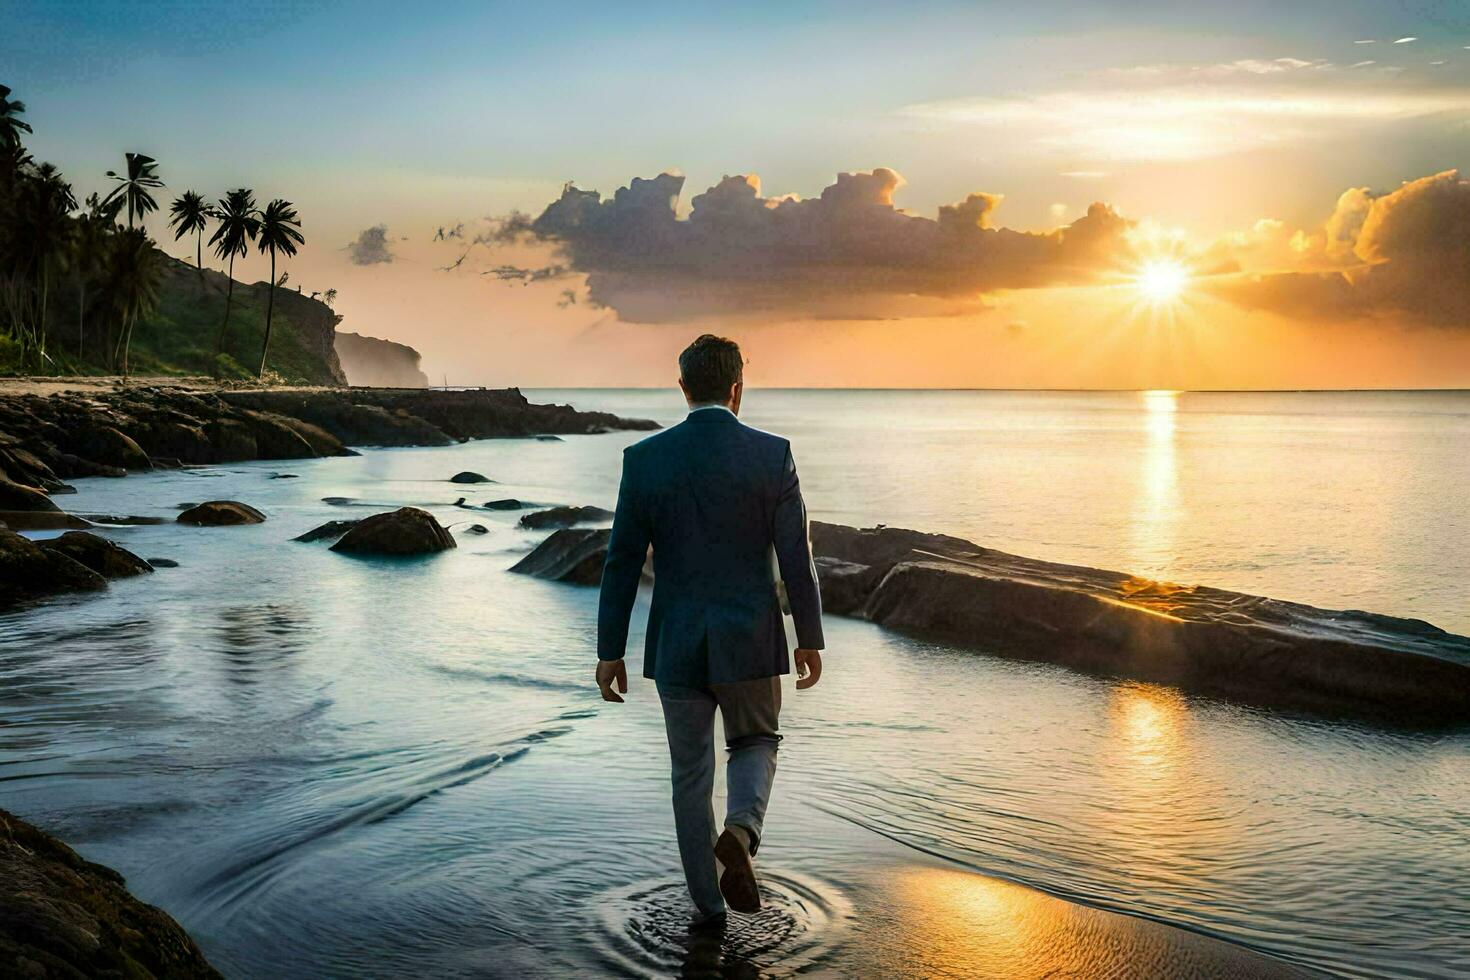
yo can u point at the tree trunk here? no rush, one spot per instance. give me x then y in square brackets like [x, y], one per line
[229, 298]
[81, 320]
[128, 342]
[199, 251]
[270, 307]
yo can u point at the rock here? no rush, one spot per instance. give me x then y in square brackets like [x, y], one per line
[105, 444]
[549, 438]
[28, 571]
[331, 529]
[67, 917]
[177, 437]
[18, 497]
[275, 439]
[468, 476]
[125, 520]
[60, 488]
[233, 440]
[570, 555]
[283, 476]
[75, 466]
[221, 513]
[322, 442]
[477, 529]
[1225, 644]
[565, 517]
[97, 553]
[509, 503]
[406, 531]
[163, 563]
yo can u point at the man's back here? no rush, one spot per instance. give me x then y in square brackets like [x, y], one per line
[713, 497]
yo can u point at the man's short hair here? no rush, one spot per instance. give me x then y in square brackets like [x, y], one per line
[710, 367]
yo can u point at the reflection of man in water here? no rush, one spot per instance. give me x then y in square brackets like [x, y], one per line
[714, 498]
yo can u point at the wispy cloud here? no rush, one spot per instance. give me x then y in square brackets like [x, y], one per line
[1184, 112]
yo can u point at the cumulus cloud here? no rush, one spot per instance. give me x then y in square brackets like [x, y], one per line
[1405, 253]
[849, 252]
[370, 247]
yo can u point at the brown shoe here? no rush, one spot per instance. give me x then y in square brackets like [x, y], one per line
[737, 883]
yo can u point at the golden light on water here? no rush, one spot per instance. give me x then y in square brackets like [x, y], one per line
[1161, 281]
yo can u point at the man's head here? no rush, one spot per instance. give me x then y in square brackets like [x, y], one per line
[712, 372]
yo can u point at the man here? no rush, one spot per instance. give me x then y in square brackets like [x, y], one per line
[714, 498]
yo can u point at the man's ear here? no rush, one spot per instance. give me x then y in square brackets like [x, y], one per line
[684, 389]
[736, 390]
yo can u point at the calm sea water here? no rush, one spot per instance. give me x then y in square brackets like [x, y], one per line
[324, 765]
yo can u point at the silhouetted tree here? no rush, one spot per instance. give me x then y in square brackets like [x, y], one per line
[280, 232]
[135, 273]
[330, 297]
[142, 173]
[89, 253]
[47, 219]
[11, 125]
[238, 223]
[190, 217]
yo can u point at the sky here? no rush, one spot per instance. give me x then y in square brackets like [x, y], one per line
[1157, 195]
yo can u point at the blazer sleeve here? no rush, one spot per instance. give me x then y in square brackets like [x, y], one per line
[794, 556]
[627, 550]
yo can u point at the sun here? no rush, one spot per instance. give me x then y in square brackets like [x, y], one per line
[1161, 280]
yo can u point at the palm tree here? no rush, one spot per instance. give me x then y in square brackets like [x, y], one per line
[11, 125]
[142, 174]
[280, 231]
[329, 297]
[190, 216]
[134, 276]
[89, 255]
[238, 224]
[46, 206]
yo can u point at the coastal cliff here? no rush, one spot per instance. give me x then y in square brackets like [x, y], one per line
[374, 363]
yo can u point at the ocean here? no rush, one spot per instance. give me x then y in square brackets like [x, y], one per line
[325, 765]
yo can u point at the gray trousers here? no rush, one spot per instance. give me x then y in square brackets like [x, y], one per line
[751, 712]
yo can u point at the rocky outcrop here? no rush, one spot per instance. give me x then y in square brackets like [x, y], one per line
[505, 503]
[97, 553]
[65, 917]
[221, 513]
[1212, 641]
[406, 531]
[374, 363]
[565, 517]
[469, 476]
[28, 571]
[1225, 644]
[45, 441]
[403, 417]
[570, 555]
[329, 531]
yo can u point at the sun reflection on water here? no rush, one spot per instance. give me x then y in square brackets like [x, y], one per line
[1156, 510]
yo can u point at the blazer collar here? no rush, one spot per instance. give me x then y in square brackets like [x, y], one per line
[711, 414]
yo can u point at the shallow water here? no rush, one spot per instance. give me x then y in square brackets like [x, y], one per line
[328, 765]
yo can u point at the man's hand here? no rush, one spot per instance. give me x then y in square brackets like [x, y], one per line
[614, 670]
[808, 668]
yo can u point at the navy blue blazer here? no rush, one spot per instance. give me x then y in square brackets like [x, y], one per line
[714, 497]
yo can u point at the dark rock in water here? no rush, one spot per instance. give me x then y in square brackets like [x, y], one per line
[163, 563]
[18, 497]
[509, 503]
[275, 438]
[477, 529]
[124, 520]
[469, 476]
[28, 571]
[221, 513]
[549, 438]
[105, 444]
[570, 555]
[845, 585]
[60, 488]
[1211, 641]
[166, 463]
[233, 440]
[565, 517]
[341, 501]
[331, 529]
[187, 504]
[42, 520]
[97, 553]
[67, 917]
[283, 476]
[406, 531]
